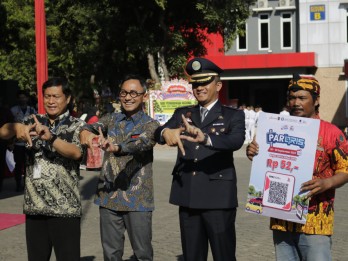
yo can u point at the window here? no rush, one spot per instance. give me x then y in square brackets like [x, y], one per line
[264, 32]
[286, 31]
[242, 39]
[347, 25]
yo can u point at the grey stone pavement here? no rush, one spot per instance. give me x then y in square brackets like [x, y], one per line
[254, 239]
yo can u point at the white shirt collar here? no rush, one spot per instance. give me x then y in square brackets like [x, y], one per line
[210, 105]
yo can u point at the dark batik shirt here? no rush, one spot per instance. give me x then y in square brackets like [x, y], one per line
[56, 191]
[125, 182]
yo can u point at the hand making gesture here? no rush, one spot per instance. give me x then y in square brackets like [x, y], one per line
[106, 144]
[40, 130]
[172, 138]
[195, 133]
[24, 132]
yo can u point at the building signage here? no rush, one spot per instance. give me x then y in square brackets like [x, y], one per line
[317, 12]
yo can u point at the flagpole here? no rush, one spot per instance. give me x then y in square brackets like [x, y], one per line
[41, 51]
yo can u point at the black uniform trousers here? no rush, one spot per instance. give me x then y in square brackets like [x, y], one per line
[200, 226]
[43, 233]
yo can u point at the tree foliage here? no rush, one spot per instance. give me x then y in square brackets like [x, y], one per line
[106, 39]
[17, 45]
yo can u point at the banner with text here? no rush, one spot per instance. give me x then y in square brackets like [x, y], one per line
[287, 147]
[173, 94]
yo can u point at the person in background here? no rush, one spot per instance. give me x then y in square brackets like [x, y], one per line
[52, 202]
[204, 176]
[312, 241]
[5, 117]
[258, 110]
[252, 121]
[95, 157]
[285, 111]
[19, 111]
[92, 115]
[33, 101]
[247, 117]
[125, 187]
[109, 108]
[72, 107]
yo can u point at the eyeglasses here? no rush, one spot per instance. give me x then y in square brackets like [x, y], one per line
[132, 94]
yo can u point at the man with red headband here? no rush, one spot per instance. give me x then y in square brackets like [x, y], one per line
[312, 241]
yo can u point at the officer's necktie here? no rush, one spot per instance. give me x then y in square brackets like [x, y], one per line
[204, 112]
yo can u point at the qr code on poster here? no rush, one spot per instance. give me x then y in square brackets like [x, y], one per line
[278, 190]
[277, 193]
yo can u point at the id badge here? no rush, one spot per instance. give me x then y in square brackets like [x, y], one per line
[37, 171]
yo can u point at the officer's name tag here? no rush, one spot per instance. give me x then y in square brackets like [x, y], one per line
[37, 171]
[218, 124]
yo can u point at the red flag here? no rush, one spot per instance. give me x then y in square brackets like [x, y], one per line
[41, 50]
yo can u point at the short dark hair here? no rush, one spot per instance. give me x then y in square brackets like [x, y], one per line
[217, 78]
[135, 77]
[57, 81]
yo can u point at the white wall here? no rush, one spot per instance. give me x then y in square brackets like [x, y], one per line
[328, 38]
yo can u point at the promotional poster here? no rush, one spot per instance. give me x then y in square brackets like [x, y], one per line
[287, 146]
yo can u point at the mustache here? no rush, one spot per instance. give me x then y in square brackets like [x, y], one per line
[295, 108]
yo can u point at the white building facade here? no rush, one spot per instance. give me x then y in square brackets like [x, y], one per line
[283, 37]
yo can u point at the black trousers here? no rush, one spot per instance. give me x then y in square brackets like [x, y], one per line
[43, 233]
[200, 226]
[3, 147]
[19, 158]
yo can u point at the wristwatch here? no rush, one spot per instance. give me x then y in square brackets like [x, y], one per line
[116, 153]
[53, 138]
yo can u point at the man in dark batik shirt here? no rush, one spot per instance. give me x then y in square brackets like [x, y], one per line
[52, 198]
[125, 187]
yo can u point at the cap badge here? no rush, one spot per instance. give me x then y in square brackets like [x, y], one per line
[196, 65]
